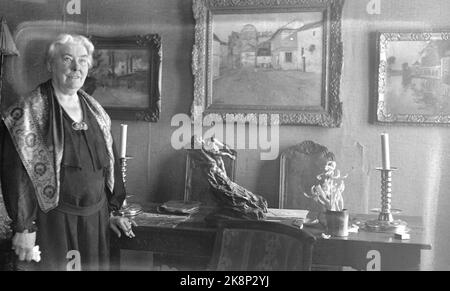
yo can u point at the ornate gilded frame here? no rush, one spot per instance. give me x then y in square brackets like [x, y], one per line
[328, 114]
[152, 44]
[384, 112]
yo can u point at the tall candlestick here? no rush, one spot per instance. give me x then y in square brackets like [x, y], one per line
[386, 161]
[123, 140]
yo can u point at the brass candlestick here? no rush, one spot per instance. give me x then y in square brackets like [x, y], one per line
[127, 209]
[386, 221]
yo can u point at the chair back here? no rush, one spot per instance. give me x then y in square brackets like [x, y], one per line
[243, 245]
[299, 167]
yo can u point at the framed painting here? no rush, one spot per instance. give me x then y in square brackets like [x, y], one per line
[126, 76]
[280, 57]
[413, 78]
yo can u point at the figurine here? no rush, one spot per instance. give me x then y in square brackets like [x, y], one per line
[234, 201]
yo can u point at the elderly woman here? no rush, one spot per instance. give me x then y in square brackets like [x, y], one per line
[59, 168]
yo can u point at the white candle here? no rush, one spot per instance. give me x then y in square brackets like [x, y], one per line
[386, 161]
[123, 140]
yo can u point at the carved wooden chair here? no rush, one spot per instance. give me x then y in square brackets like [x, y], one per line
[196, 184]
[299, 167]
[243, 245]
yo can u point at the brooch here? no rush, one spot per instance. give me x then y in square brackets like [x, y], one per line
[79, 125]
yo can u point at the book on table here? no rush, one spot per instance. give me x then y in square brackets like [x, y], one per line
[280, 214]
[293, 217]
[180, 207]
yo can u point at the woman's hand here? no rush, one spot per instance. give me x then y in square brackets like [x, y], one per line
[23, 244]
[118, 223]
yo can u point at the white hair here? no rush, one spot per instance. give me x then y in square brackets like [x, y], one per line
[70, 38]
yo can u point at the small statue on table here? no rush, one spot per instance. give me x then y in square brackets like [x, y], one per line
[234, 201]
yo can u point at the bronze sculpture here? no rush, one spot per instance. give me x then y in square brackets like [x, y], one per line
[233, 200]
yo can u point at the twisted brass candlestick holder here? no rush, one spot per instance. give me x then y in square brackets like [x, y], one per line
[386, 221]
[128, 210]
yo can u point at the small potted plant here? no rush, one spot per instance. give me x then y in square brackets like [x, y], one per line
[328, 193]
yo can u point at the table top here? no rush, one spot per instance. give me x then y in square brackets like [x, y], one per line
[414, 224]
[152, 217]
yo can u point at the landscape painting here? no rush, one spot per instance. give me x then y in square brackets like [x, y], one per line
[118, 75]
[414, 78]
[280, 58]
[267, 59]
[126, 76]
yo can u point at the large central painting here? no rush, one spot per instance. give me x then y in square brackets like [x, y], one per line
[281, 58]
[268, 59]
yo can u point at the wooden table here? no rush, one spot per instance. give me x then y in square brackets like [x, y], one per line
[373, 251]
[186, 243]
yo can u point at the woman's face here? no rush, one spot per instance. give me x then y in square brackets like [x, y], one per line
[69, 67]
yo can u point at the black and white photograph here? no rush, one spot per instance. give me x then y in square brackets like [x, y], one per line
[224, 143]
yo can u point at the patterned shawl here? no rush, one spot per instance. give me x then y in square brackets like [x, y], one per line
[35, 125]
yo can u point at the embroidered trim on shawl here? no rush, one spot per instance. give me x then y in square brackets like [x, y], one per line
[28, 124]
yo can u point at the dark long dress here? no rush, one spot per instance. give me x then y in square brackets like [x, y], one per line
[81, 221]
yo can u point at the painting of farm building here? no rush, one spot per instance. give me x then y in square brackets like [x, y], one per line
[418, 77]
[268, 59]
[296, 48]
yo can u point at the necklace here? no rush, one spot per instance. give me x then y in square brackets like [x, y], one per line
[79, 125]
